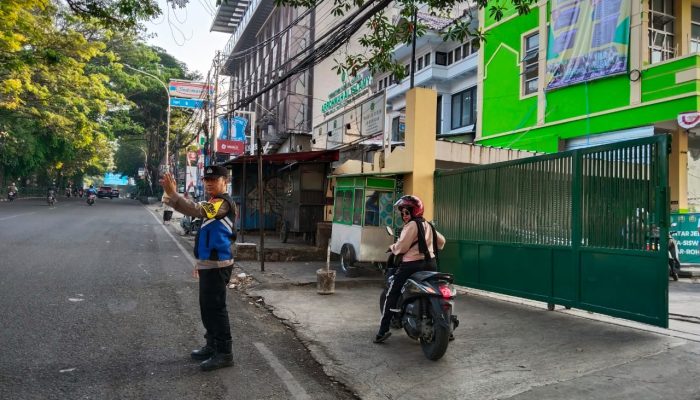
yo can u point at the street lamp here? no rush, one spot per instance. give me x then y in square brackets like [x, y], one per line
[167, 126]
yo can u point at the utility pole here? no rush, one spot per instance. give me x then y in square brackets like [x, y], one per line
[261, 207]
[413, 44]
[212, 147]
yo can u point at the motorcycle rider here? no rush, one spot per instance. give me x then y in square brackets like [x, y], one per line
[91, 190]
[416, 245]
[214, 261]
[51, 192]
[12, 189]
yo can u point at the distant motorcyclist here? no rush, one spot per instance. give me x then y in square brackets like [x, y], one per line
[12, 191]
[91, 190]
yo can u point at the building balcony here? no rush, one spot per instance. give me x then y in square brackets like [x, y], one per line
[229, 15]
[434, 74]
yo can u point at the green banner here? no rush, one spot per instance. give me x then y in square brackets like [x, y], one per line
[588, 39]
[687, 236]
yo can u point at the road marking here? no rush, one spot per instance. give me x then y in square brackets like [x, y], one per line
[182, 249]
[293, 386]
[73, 299]
[67, 370]
[18, 215]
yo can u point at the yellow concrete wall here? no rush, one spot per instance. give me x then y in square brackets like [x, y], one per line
[420, 145]
[678, 170]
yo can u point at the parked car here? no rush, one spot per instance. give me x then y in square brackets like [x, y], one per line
[106, 191]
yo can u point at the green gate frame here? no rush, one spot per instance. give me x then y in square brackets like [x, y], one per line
[585, 229]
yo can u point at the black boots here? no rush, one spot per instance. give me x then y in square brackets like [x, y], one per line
[222, 357]
[205, 352]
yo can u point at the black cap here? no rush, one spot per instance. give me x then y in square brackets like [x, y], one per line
[213, 171]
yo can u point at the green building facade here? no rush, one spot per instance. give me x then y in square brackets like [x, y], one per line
[660, 83]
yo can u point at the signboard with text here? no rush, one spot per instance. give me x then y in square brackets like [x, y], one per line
[587, 40]
[687, 236]
[235, 147]
[186, 103]
[190, 89]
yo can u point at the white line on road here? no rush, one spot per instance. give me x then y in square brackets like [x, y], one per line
[182, 249]
[293, 386]
[17, 215]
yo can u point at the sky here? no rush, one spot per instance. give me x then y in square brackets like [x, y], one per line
[185, 34]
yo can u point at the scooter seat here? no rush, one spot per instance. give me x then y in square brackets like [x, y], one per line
[422, 276]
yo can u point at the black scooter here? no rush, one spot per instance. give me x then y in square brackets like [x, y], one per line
[424, 307]
[190, 225]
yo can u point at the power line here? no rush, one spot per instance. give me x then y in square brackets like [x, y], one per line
[336, 38]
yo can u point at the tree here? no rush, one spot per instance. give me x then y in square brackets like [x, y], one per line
[66, 100]
[49, 105]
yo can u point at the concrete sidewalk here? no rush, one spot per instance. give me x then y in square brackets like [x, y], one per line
[502, 349]
[512, 349]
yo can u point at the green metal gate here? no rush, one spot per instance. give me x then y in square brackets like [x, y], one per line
[585, 229]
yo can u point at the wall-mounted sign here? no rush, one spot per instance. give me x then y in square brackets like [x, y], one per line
[235, 147]
[587, 40]
[373, 116]
[363, 124]
[349, 91]
[689, 120]
[189, 89]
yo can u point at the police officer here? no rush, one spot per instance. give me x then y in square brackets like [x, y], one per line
[214, 261]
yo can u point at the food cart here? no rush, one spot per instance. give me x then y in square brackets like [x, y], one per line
[363, 208]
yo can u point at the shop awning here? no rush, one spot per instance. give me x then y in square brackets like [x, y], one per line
[288, 158]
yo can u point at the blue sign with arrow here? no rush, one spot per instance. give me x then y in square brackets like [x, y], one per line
[186, 103]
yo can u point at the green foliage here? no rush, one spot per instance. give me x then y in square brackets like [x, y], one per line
[66, 100]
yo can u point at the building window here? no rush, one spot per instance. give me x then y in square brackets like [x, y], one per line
[661, 30]
[449, 58]
[695, 30]
[386, 82]
[357, 207]
[420, 63]
[465, 50]
[427, 59]
[458, 54]
[463, 104]
[440, 58]
[531, 44]
[406, 70]
[398, 129]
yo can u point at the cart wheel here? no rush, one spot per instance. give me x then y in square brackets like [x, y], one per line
[347, 260]
[284, 232]
[568, 307]
[550, 306]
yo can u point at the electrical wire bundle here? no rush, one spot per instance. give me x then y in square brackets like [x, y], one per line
[315, 53]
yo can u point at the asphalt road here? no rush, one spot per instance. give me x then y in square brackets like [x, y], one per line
[99, 303]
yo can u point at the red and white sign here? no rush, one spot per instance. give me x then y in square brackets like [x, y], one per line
[235, 147]
[689, 120]
[189, 89]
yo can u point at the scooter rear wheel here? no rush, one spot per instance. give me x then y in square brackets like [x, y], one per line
[436, 348]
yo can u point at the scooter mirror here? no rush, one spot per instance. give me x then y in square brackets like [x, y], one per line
[389, 231]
